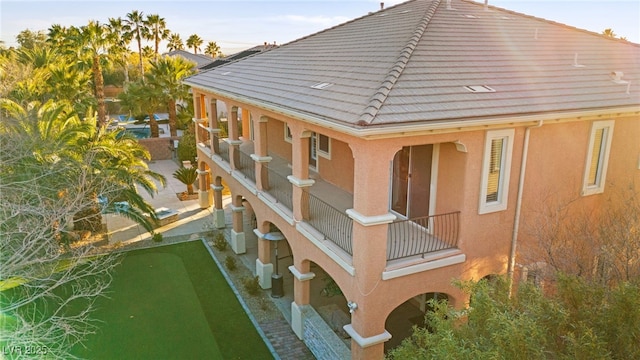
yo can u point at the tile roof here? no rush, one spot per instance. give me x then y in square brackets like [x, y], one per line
[410, 64]
[201, 60]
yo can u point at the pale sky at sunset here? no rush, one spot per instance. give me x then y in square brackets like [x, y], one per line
[240, 24]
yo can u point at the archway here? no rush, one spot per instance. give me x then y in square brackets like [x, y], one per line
[412, 312]
[329, 302]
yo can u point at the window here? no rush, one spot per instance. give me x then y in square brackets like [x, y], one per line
[324, 146]
[287, 134]
[496, 169]
[597, 157]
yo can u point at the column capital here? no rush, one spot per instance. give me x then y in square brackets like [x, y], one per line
[261, 159]
[370, 220]
[217, 187]
[259, 234]
[202, 172]
[365, 342]
[300, 182]
[236, 209]
[232, 142]
[300, 276]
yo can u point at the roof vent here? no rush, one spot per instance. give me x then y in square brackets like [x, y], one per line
[616, 77]
[470, 16]
[575, 61]
[479, 88]
[225, 73]
[321, 85]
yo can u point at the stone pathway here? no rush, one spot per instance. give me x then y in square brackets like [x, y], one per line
[285, 341]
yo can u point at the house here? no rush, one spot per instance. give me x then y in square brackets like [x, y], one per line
[400, 150]
[201, 60]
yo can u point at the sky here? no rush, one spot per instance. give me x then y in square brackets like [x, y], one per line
[240, 24]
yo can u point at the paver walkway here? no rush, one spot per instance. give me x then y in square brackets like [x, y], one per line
[284, 341]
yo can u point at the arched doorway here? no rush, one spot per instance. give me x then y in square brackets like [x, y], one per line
[412, 312]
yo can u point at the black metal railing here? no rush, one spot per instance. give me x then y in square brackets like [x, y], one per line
[422, 235]
[247, 166]
[224, 150]
[280, 188]
[334, 224]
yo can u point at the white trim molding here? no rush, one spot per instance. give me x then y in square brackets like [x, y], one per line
[300, 182]
[370, 220]
[594, 179]
[365, 342]
[503, 168]
[300, 276]
[261, 159]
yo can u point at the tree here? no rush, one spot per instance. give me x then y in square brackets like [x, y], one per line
[44, 268]
[92, 44]
[119, 38]
[166, 76]
[580, 320]
[600, 246]
[609, 33]
[136, 29]
[194, 41]
[175, 42]
[30, 39]
[212, 49]
[156, 31]
[142, 99]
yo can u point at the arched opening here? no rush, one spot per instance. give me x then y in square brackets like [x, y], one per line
[412, 312]
[329, 302]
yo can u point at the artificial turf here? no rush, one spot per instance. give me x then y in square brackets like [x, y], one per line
[172, 302]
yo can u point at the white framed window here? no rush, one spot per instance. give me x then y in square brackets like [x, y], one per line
[287, 134]
[595, 171]
[496, 170]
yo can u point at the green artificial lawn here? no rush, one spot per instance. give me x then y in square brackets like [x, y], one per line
[172, 302]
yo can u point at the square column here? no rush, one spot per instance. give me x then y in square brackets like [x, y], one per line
[205, 196]
[237, 233]
[302, 295]
[264, 268]
[218, 211]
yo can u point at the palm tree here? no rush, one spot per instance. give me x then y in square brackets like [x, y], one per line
[609, 33]
[120, 38]
[166, 76]
[136, 28]
[212, 49]
[93, 43]
[175, 43]
[194, 41]
[156, 31]
[186, 176]
[142, 99]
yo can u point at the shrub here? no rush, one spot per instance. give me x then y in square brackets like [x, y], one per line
[220, 242]
[230, 263]
[157, 237]
[252, 285]
[187, 146]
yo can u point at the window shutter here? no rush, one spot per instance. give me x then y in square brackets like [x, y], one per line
[495, 169]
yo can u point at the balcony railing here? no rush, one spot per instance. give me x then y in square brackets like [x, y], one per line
[334, 224]
[224, 150]
[247, 166]
[280, 188]
[422, 235]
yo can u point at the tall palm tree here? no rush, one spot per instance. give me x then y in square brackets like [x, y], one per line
[156, 31]
[166, 76]
[194, 41]
[212, 49]
[175, 43]
[120, 37]
[609, 32]
[93, 43]
[136, 28]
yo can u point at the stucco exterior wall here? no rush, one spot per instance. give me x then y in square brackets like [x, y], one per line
[339, 169]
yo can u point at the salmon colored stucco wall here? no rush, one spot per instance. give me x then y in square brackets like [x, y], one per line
[277, 144]
[339, 169]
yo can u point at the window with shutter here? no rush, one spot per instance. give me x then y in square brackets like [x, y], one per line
[496, 170]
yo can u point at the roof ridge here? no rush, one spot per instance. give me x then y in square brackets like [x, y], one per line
[379, 97]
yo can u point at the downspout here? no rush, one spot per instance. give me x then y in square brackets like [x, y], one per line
[516, 221]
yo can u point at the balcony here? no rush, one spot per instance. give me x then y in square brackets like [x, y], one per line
[325, 205]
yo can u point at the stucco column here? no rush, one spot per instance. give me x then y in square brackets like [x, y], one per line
[218, 212]
[246, 126]
[213, 125]
[300, 170]
[197, 115]
[205, 196]
[234, 141]
[301, 294]
[260, 151]
[264, 266]
[237, 233]
[371, 217]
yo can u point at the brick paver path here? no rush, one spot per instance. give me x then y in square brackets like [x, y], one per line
[285, 341]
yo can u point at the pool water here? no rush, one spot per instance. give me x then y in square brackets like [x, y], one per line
[139, 133]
